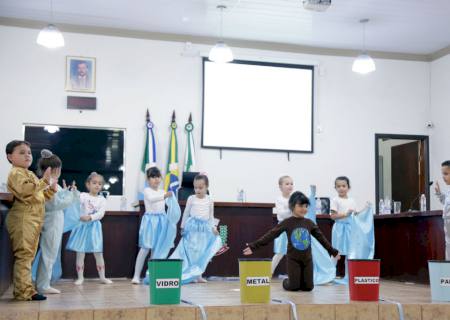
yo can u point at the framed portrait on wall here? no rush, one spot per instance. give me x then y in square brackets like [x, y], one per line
[80, 74]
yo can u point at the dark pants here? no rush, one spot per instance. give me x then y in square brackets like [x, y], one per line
[300, 275]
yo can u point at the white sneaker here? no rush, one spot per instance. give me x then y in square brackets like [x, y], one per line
[79, 281]
[201, 280]
[136, 281]
[105, 281]
[50, 290]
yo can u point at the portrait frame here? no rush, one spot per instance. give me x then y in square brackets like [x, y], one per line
[80, 74]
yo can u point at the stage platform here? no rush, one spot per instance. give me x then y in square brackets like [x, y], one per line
[221, 300]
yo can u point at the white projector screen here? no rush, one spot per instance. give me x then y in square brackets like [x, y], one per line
[257, 106]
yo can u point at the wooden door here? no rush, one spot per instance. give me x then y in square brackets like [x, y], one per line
[405, 175]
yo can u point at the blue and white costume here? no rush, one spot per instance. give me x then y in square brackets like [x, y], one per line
[88, 236]
[354, 235]
[51, 235]
[199, 243]
[341, 231]
[158, 230]
[283, 212]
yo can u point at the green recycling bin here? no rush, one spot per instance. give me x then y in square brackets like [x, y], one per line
[165, 280]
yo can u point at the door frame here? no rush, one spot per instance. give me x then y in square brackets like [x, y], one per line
[426, 152]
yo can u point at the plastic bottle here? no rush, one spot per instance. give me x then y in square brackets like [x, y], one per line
[423, 203]
[123, 203]
[240, 195]
[387, 206]
[318, 206]
[381, 206]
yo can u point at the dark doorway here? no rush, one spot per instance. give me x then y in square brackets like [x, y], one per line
[402, 169]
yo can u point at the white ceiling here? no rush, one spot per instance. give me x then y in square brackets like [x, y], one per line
[407, 26]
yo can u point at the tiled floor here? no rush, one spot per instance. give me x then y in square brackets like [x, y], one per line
[121, 300]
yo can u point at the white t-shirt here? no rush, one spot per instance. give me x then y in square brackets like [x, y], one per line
[199, 208]
[93, 206]
[342, 205]
[282, 208]
[154, 201]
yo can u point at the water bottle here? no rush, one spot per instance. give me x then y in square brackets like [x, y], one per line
[244, 196]
[318, 206]
[387, 206]
[123, 203]
[381, 207]
[423, 203]
[240, 195]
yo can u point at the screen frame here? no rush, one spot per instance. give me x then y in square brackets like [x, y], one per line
[124, 130]
[269, 64]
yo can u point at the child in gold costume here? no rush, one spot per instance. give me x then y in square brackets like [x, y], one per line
[25, 218]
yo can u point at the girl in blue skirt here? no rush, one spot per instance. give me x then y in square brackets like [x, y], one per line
[352, 233]
[88, 237]
[200, 240]
[157, 232]
[341, 208]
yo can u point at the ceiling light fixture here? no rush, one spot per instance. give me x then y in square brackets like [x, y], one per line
[50, 37]
[364, 63]
[221, 53]
[316, 5]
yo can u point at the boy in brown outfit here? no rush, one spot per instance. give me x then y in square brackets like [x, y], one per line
[299, 230]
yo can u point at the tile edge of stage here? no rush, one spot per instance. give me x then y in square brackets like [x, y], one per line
[279, 311]
[125, 301]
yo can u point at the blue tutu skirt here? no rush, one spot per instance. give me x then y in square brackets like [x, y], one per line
[157, 233]
[340, 235]
[87, 237]
[196, 248]
[361, 240]
[280, 244]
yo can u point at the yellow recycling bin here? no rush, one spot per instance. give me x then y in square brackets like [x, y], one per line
[255, 275]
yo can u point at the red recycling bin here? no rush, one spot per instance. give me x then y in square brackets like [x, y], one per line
[364, 279]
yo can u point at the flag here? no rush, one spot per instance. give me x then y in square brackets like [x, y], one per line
[171, 181]
[149, 158]
[189, 158]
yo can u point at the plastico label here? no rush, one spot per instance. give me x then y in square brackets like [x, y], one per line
[367, 280]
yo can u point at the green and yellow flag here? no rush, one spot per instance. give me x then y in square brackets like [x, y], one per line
[172, 181]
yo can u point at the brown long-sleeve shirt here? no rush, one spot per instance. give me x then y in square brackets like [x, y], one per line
[299, 231]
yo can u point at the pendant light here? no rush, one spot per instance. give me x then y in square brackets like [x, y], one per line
[221, 53]
[364, 64]
[50, 37]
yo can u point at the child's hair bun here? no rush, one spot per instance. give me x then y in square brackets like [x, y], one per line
[45, 153]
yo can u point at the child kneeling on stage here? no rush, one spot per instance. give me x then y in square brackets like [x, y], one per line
[299, 230]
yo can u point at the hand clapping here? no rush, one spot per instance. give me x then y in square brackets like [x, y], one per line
[47, 176]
